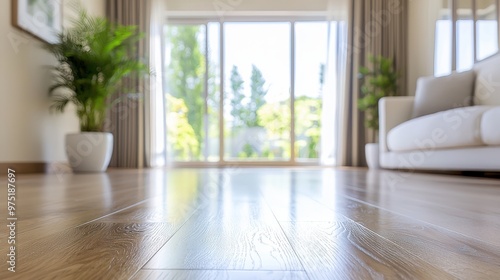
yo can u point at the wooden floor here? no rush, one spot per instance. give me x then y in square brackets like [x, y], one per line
[253, 224]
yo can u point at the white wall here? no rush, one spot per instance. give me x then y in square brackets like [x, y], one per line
[28, 132]
[422, 22]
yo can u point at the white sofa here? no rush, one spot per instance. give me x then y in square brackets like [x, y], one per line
[452, 123]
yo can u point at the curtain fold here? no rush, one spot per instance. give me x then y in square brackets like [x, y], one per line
[132, 119]
[375, 27]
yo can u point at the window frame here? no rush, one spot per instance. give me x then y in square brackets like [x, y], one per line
[453, 4]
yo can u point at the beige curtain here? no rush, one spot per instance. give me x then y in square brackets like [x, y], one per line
[128, 118]
[377, 27]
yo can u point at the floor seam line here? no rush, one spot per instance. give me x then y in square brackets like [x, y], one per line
[176, 231]
[115, 212]
[284, 233]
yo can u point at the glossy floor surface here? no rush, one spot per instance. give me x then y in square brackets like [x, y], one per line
[253, 224]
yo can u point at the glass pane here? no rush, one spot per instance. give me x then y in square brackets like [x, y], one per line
[443, 48]
[257, 91]
[310, 60]
[486, 28]
[185, 91]
[465, 35]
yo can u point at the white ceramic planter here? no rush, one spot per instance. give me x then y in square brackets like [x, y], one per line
[89, 151]
[372, 155]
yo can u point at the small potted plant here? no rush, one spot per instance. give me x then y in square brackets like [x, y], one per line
[379, 80]
[94, 56]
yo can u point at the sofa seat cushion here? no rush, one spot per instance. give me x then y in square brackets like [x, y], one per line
[490, 130]
[454, 128]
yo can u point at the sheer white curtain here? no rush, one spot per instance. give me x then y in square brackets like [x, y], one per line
[335, 81]
[155, 119]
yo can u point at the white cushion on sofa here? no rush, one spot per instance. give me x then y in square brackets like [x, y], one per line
[448, 129]
[487, 86]
[490, 131]
[437, 94]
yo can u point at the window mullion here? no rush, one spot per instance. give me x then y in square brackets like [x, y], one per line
[205, 115]
[474, 30]
[454, 16]
[221, 94]
[292, 92]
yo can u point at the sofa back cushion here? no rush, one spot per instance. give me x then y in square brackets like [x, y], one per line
[487, 89]
[436, 94]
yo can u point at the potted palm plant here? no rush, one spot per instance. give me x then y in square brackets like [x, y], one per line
[94, 56]
[379, 80]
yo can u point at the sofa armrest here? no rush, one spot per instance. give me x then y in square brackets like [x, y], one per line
[393, 111]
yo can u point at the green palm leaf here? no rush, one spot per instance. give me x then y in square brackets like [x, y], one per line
[94, 56]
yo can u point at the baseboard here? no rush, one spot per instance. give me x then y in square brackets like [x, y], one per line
[23, 167]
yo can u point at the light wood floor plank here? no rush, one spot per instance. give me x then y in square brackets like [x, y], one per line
[463, 257]
[475, 217]
[219, 275]
[228, 235]
[92, 251]
[346, 250]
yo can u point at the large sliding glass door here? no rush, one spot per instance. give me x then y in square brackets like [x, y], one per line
[250, 92]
